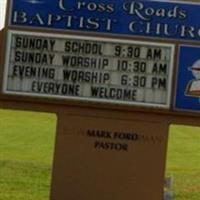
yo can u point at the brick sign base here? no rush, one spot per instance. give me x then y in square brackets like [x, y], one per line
[102, 156]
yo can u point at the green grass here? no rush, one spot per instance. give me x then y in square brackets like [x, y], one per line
[26, 151]
[183, 161]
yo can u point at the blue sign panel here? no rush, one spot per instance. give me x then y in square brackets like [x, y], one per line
[188, 82]
[131, 17]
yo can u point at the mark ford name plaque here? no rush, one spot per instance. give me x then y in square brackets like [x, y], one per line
[89, 68]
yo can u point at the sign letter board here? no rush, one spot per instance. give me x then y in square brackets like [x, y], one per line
[89, 68]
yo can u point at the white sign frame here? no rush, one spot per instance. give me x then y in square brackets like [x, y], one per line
[85, 99]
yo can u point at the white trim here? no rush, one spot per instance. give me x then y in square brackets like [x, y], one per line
[7, 55]
[179, 2]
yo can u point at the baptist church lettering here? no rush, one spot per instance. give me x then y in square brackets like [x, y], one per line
[141, 18]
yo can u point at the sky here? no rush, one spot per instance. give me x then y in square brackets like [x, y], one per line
[2, 12]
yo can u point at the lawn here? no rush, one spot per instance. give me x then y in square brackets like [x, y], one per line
[183, 161]
[26, 151]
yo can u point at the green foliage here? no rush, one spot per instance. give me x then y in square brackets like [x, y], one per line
[26, 151]
[183, 161]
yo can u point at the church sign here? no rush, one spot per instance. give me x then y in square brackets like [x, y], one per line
[116, 73]
[124, 52]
